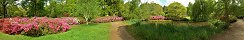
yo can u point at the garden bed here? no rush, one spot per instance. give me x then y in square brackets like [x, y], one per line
[36, 26]
[107, 19]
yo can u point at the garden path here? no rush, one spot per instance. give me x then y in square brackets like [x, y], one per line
[118, 32]
[235, 32]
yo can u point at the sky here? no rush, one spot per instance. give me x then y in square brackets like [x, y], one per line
[167, 2]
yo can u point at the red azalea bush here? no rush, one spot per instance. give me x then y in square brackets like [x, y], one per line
[108, 19]
[157, 18]
[36, 26]
[1, 23]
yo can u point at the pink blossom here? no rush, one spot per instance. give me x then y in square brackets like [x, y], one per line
[17, 24]
[35, 25]
[157, 18]
[51, 25]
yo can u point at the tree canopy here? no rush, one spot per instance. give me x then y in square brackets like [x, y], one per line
[176, 10]
[150, 9]
[201, 10]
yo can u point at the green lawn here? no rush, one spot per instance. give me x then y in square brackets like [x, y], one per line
[78, 32]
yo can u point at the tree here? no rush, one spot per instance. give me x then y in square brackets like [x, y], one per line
[36, 8]
[33, 7]
[88, 9]
[24, 7]
[240, 13]
[227, 8]
[165, 10]
[131, 9]
[14, 10]
[1, 13]
[112, 7]
[4, 6]
[70, 6]
[57, 8]
[201, 10]
[176, 11]
[150, 9]
[189, 9]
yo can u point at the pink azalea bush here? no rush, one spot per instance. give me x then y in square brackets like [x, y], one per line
[36, 25]
[108, 19]
[1, 23]
[157, 18]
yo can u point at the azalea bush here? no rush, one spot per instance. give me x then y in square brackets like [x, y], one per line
[108, 19]
[157, 18]
[1, 24]
[36, 26]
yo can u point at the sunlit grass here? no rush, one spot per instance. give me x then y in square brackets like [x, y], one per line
[78, 32]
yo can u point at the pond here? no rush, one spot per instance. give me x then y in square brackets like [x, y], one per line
[171, 31]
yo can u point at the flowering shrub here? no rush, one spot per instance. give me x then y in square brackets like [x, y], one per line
[157, 18]
[1, 23]
[4, 27]
[36, 25]
[108, 19]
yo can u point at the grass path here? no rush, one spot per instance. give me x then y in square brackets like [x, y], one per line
[235, 32]
[117, 32]
[78, 32]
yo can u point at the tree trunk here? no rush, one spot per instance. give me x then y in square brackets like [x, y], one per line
[86, 20]
[35, 8]
[4, 11]
[4, 4]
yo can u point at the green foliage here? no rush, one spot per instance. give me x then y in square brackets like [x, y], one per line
[150, 9]
[189, 8]
[4, 4]
[218, 24]
[131, 10]
[88, 9]
[240, 13]
[170, 31]
[56, 9]
[201, 10]
[14, 11]
[1, 12]
[225, 8]
[112, 7]
[176, 10]
[36, 8]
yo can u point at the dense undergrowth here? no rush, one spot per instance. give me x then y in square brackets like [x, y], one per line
[175, 31]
